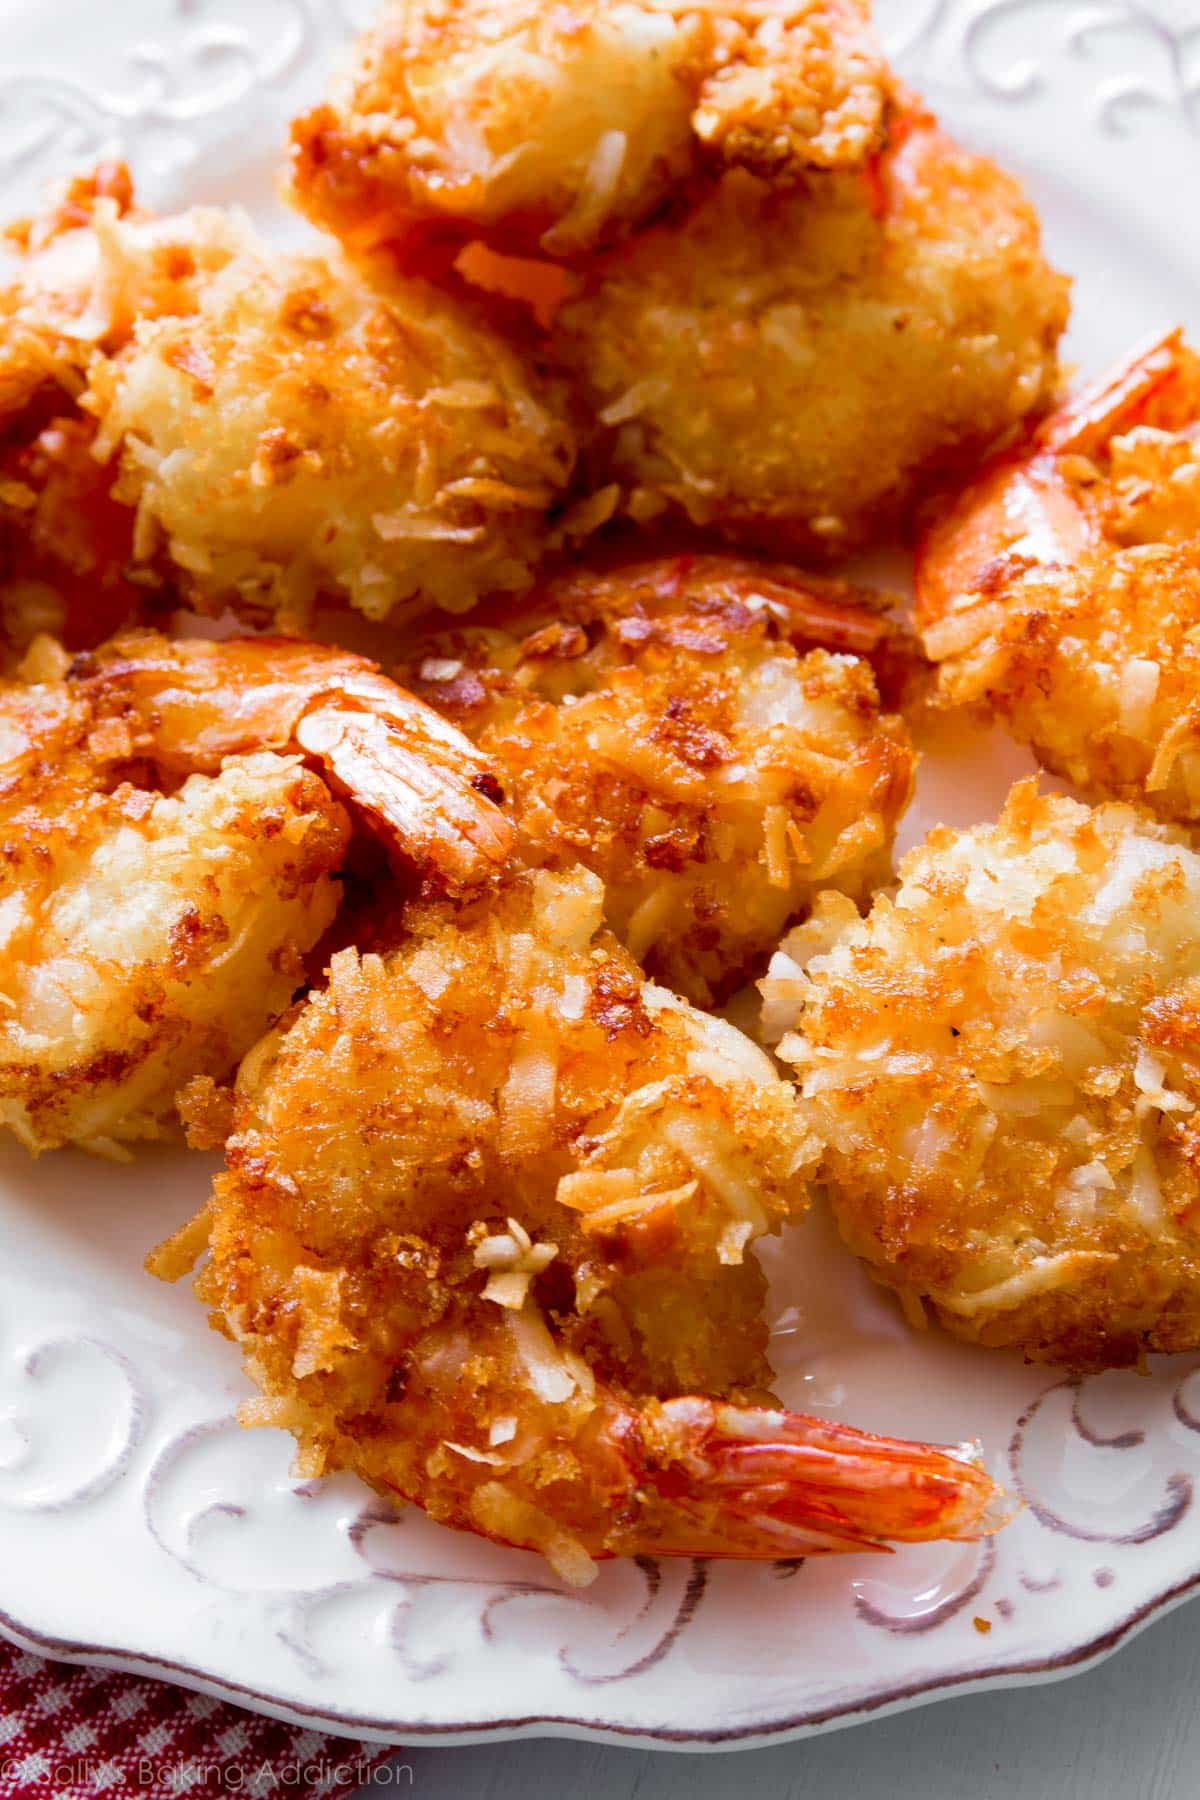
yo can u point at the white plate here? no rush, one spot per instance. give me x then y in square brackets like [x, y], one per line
[140, 1528]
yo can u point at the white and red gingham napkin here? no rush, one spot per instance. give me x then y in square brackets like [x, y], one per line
[70, 1733]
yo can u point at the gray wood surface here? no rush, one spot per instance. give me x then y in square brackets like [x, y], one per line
[1129, 1730]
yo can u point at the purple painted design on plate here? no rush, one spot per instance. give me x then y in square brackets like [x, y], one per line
[1179, 1405]
[1050, 1586]
[1166, 1516]
[129, 1430]
[937, 1615]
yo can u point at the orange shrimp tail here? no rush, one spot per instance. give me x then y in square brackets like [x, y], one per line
[747, 1482]
[1015, 515]
[910, 120]
[540, 286]
[818, 612]
[827, 613]
[432, 815]
[1019, 511]
[1162, 370]
[811, 611]
[397, 762]
[824, 613]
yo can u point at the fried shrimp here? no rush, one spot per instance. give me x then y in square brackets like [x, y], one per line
[168, 858]
[307, 431]
[670, 725]
[87, 272]
[270, 427]
[544, 127]
[482, 1239]
[1004, 1065]
[788, 364]
[1062, 588]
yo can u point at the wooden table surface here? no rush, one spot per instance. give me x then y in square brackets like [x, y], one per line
[1128, 1730]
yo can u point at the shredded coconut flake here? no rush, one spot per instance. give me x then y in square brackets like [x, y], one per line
[513, 1260]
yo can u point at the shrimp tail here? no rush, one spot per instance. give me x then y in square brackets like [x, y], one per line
[854, 621]
[431, 815]
[834, 615]
[1088, 419]
[1019, 512]
[192, 703]
[735, 1481]
[811, 611]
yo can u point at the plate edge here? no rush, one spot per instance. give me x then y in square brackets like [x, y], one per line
[893, 1699]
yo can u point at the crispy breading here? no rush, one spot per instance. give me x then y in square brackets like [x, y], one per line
[1061, 589]
[65, 542]
[1004, 1065]
[166, 860]
[546, 126]
[668, 725]
[482, 1238]
[148, 937]
[306, 431]
[89, 268]
[241, 426]
[788, 365]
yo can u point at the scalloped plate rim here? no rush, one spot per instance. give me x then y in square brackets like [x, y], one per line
[1062, 1666]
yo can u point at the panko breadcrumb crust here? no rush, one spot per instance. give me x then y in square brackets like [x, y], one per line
[1083, 636]
[482, 1189]
[548, 127]
[235, 425]
[1002, 1064]
[788, 365]
[89, 268]
[668, 725]
[307, 431]
[148, 937]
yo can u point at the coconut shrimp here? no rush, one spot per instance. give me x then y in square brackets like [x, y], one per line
[789, 364]
[87, 271]
[274, 427]
[1062, 588]
[483, 1237]
[547, 128]
[673, 726]
[310, 432]
[1004, 1065]
[174, 818]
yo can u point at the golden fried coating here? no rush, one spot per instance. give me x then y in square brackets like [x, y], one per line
[167, 860]
[148, 938]
[255, 428]
[788, 365]
[541, 125]
[667, 725]
[65, 542]
[1062, 588]
[88, 270]
[483, 1230]
[1004, 1064]
[306, 431]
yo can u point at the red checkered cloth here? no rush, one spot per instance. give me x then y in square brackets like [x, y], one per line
[68, 1733]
